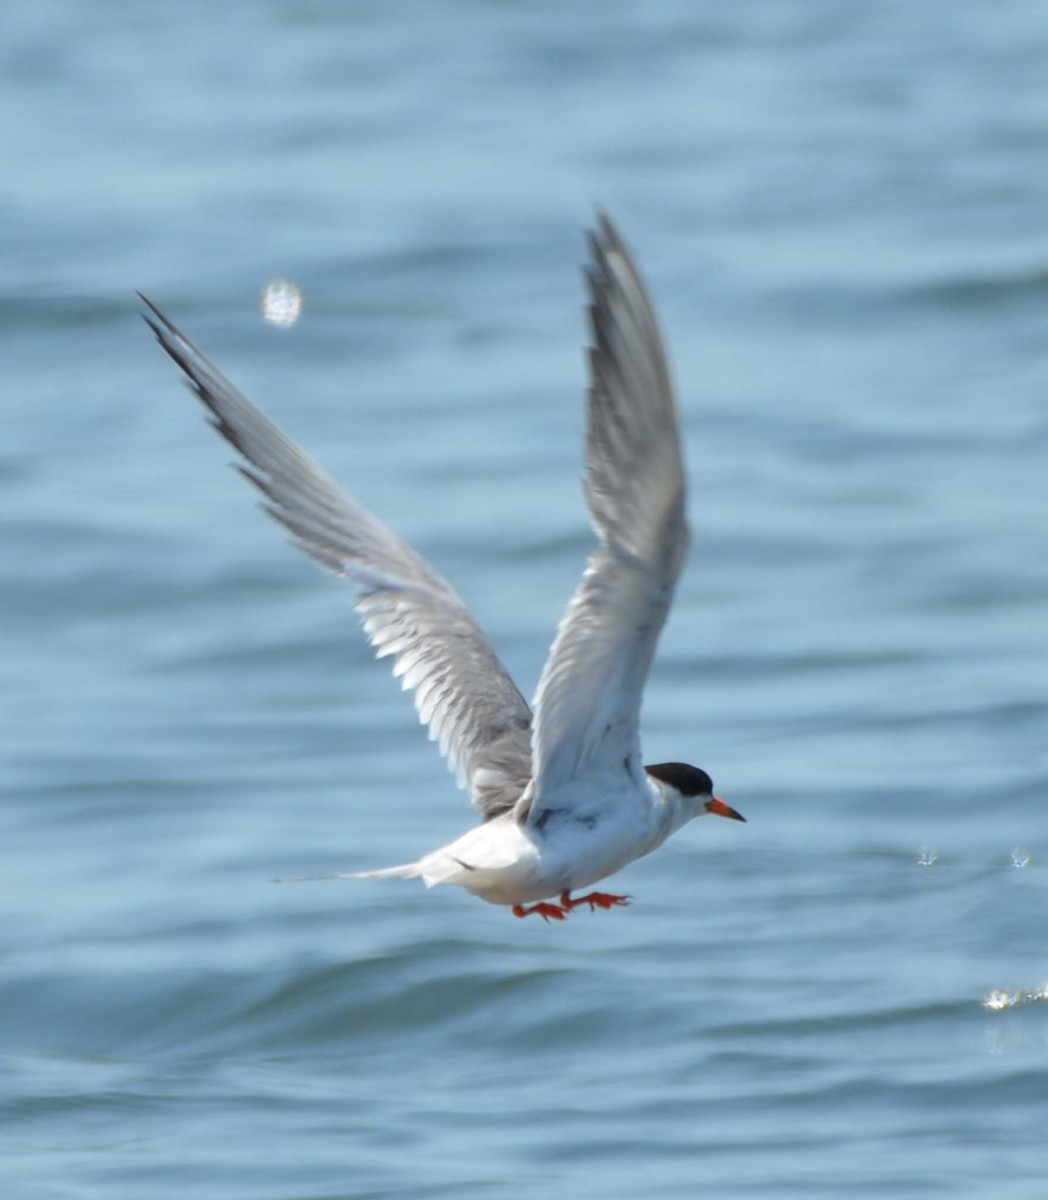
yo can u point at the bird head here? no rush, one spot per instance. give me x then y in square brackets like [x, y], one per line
[693, 787]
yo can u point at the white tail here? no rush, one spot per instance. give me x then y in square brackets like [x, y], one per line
[404, 871]
[433, 869]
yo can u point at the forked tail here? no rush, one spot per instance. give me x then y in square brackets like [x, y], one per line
[404, 871]
[433, 869]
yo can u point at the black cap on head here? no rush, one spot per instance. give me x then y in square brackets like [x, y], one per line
[689, 781]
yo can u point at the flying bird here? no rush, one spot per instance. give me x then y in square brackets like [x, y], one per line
[564, 797]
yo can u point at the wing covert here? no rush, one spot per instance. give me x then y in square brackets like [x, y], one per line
[462, 691]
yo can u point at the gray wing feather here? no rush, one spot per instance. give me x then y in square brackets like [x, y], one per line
[587, 706]
[462, 692]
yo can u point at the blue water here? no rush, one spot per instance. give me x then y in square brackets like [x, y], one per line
[841, 212]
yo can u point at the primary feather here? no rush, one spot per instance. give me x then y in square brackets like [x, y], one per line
[462, 692]
[587, 706]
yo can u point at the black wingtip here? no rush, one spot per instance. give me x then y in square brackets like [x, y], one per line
[160, 326]
[601, 218]
[610, 238]
[153, 311]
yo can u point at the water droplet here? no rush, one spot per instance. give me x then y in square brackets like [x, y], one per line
[281, 302]
[1001, 998]
[927, 858]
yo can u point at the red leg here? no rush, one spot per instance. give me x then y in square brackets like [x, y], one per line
[545, 911]
[594, 900]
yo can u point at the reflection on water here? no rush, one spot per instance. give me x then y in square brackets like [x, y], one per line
[281, 302]
[1001, 998]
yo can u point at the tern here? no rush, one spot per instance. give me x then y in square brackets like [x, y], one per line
[563, 794]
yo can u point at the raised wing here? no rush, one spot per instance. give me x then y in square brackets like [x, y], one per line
[587, 706]
[462, 691]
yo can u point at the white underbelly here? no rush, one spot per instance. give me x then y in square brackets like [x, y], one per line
[506, 863]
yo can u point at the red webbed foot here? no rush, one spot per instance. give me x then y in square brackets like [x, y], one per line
[595, 900]
[546, 911]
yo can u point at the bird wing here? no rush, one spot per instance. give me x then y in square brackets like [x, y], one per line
[462, 691]
[587, 705]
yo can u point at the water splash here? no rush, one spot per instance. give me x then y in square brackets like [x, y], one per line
[281, 302]
[1020, 858]
[927, 858]
[1003, 998]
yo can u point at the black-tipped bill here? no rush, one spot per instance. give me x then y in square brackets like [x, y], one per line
[720, 809]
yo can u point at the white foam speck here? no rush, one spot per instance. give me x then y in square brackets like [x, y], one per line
[281, 302]
[1002, 998]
